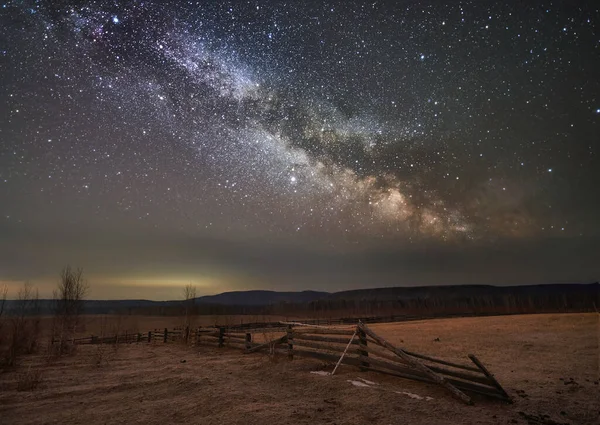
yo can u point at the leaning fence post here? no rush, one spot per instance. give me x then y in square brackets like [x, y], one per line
[290, 340]
[166, 336]
[248, 340]
[139, 337]
[149, 336]
[221, 336]
[186, 334]
[362, 349]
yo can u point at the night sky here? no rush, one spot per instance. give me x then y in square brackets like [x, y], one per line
[298, 145]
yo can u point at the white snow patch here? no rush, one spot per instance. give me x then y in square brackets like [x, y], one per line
[320, 372]
[358, 383]
[414, 396]
[367, 381]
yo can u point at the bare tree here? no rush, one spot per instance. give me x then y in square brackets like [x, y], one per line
[189, 304]
[24, 324]
[69, 297]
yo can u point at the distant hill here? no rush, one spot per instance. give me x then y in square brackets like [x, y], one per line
[258, 298]
[461, 291]
[422, 300]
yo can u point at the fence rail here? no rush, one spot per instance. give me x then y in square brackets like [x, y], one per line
[364, 349]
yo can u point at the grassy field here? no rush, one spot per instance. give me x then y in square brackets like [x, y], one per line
[547, 363]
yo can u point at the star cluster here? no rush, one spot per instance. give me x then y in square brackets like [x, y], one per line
[334, 121]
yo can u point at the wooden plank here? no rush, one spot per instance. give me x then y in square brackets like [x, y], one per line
[444, 362]
[322, 331]
[372, 350]
[401, 375]
[490, 376]
[317, 346]
[211, 335]
[382, 364]
[236, 343]
[258, 347]
[232, 336]
[466, 376]
[333, 340]
[279, 329]
[477, 388]
[327, 357]
[418, 365]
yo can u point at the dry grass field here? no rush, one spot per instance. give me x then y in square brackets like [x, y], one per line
[547, 363]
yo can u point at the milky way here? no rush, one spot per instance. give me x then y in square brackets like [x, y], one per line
[335, 122]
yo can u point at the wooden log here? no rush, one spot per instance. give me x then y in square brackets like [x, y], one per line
[317, 346]
[323, 331]
[235, 343]
[405, 368]
[327, 357]
[490, 377]
[396, 367]
[377, 352]
[331, 339]
[290, 341]
[444, 362]
[417, 365]
[234, 336]
[363, 353]
[456, 374]
[280, 329]
[402, 375]
[258, 347]
[477, 388]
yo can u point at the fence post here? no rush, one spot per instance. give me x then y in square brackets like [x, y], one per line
[139, 337]
[221, 336]
[186, 334]
[166, 336]
[248, 340]
[363, 353]
[149, 336]
[290, 340]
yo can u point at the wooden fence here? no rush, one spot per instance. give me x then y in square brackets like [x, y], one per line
[357, 346]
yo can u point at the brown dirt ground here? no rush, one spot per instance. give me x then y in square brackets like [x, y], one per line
[547, 363]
